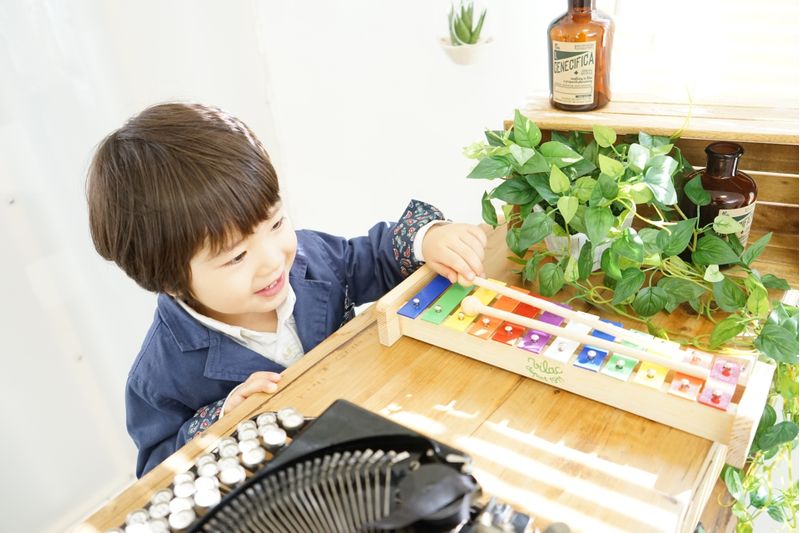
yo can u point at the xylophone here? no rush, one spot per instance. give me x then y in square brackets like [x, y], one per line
[716, 397]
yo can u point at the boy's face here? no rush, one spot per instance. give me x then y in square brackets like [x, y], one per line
[243, 284]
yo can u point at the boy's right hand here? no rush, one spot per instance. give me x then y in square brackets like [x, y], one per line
[257, 382]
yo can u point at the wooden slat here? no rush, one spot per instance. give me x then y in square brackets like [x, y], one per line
[732, 123]
[779, 218]
[777, 158]
[776, 187]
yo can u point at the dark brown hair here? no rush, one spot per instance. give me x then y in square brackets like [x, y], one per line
[173, 178]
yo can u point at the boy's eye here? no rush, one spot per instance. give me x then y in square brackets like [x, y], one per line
[237, 259]
[278, 224]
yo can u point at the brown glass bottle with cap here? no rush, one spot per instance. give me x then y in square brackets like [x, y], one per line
[579, 43]
[732, 191]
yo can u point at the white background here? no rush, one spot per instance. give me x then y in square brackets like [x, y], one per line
[360, 110]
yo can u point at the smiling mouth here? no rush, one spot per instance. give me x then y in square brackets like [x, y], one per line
[273, 287]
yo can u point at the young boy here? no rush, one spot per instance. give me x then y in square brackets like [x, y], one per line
[185, 200]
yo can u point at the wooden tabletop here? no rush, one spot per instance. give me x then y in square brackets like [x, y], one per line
[558, 456]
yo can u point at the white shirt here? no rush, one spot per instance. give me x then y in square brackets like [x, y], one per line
[282, 347]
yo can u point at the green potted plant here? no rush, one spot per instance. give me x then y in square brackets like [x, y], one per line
[464, 43]
[586, 186]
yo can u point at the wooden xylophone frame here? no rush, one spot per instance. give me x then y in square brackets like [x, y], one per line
[734, 427]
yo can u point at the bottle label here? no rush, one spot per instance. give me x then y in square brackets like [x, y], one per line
[573, 72]
[743, 215]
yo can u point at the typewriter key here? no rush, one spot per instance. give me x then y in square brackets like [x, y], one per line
[266, 418]
[249, 444]
[245, 424]
[283, 413]
[185, 490]
[182, 519]
[161, 496]
[208, 468]
[229, 450]
[137, 528]
[273, 437]
[158, 525]
[159, 510]
[232, 475]
[177, 505]
[206, 483]
[137, 516]
[224, 441]
[254, 457]
[183, 477]
[207, 498]
[293, 423]
[248, 433]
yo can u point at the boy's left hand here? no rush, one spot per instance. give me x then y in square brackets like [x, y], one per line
[455, 251]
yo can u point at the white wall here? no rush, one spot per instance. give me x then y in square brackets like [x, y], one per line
[357, 104]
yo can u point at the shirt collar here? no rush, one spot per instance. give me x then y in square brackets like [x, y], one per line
[284, 311]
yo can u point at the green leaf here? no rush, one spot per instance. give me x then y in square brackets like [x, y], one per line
[521, 154]
[551, 279]
[729, 296]
[541, 183]
[496, 137]
[664, 149]
[674, 239]
[537, 163]
[735, 244]
[696, 193]
[780, 433]
[645, 140]
[488, 212]
[559, 154]
[680, 290]
[583, 188]
[571, 270]
[608, 187]
[776, 513]
[733, 481]
[568, 206]
[658, 176]
[598, 221]
[650, 301]
[532, 266]
[768, 418]
[630, 282]
[536, 227]
[559, 182]
[604, 136]
[758, 301]
[512, 241]
[712, 250]
[650, 239]
[640, 193]
[752, 252]
[581, 168]
[629, 246]
[586, 261]
[725, 330]
[611, 167]
[773, 282]
[490, 168]
[638, 156]
[590, 152]
[609, 265]
[726, 225]
[515, 191]
[712, 274]
[526, 133]
[778, 343]
[759, 494]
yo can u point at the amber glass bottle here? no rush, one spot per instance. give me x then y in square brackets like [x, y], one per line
[732, 191]
[580, 57]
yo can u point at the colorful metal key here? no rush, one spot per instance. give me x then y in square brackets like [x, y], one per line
[416, 305]
[440, 310]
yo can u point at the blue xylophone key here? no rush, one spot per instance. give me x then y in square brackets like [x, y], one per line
[592, 358]
[417, 304]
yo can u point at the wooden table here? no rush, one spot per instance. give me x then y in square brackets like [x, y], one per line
[556, 455]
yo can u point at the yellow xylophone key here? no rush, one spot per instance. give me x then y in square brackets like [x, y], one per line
[651, 375]
[459, 320]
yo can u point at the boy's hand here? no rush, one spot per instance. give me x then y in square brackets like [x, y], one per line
[257, 382]
[455, 251]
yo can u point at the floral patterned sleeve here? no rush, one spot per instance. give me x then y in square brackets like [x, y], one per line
[204, 417]
[417, 215]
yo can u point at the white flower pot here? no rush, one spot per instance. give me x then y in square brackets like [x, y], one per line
[572, 245]
[465, 54]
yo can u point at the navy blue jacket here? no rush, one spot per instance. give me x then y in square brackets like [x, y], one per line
[184, 366]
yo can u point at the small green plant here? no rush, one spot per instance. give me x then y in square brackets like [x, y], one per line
[461, 23]
[581, 183]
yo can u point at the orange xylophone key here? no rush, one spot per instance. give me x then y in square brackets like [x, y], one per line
[485, 326]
